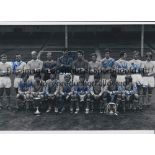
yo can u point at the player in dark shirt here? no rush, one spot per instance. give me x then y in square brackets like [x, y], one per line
[24, 94]
[82, 92]
[38, 92]
[80, 66]
[131, 94]
[49, 66]
[113, 94]
[64, 62]
[52, 90]
[107, 64]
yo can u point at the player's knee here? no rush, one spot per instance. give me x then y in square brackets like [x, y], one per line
[136, 96]
[41, 96]
[17, 96]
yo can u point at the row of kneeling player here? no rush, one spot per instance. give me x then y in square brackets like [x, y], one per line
[53, 95]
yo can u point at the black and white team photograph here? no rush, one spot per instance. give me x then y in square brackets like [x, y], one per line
[77, 77]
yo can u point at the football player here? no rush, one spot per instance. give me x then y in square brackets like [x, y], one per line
[112, 89]
[24, 95]
[80, 66]
[122, 67]
[117, 92]
[52, 90]
[18, 67]
[65, 93]
[83, 95]
[107, 65]
[64, 64]
[38, 91]
[49, 66]
[34, 66]
[136, 68]
[131, 93]
[99, 93]
[95, 67]
[148, 78]
[5, 81]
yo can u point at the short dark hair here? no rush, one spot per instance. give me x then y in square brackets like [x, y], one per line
[3, 55]
[107, 50]
[122, 53]
[94, 54]
[149, 54]
[81, 52]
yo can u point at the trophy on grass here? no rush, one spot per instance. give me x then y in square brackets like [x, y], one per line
[37, 101]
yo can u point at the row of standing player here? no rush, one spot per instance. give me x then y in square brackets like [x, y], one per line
[65, 62]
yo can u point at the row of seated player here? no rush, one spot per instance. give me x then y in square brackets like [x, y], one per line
[111, 98]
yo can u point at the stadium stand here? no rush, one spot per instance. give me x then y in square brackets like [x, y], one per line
[24, 39]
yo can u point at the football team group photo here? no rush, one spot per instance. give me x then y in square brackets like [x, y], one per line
[77, 77]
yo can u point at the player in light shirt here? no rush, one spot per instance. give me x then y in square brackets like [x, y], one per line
[95, 67]
[122, 67]
[136, 68]
[34, 66]
[107, 64]
[5, 81]
[18, 67]
[148, 78]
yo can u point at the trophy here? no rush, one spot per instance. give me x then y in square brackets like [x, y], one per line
[37, 101]
[111, 108]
